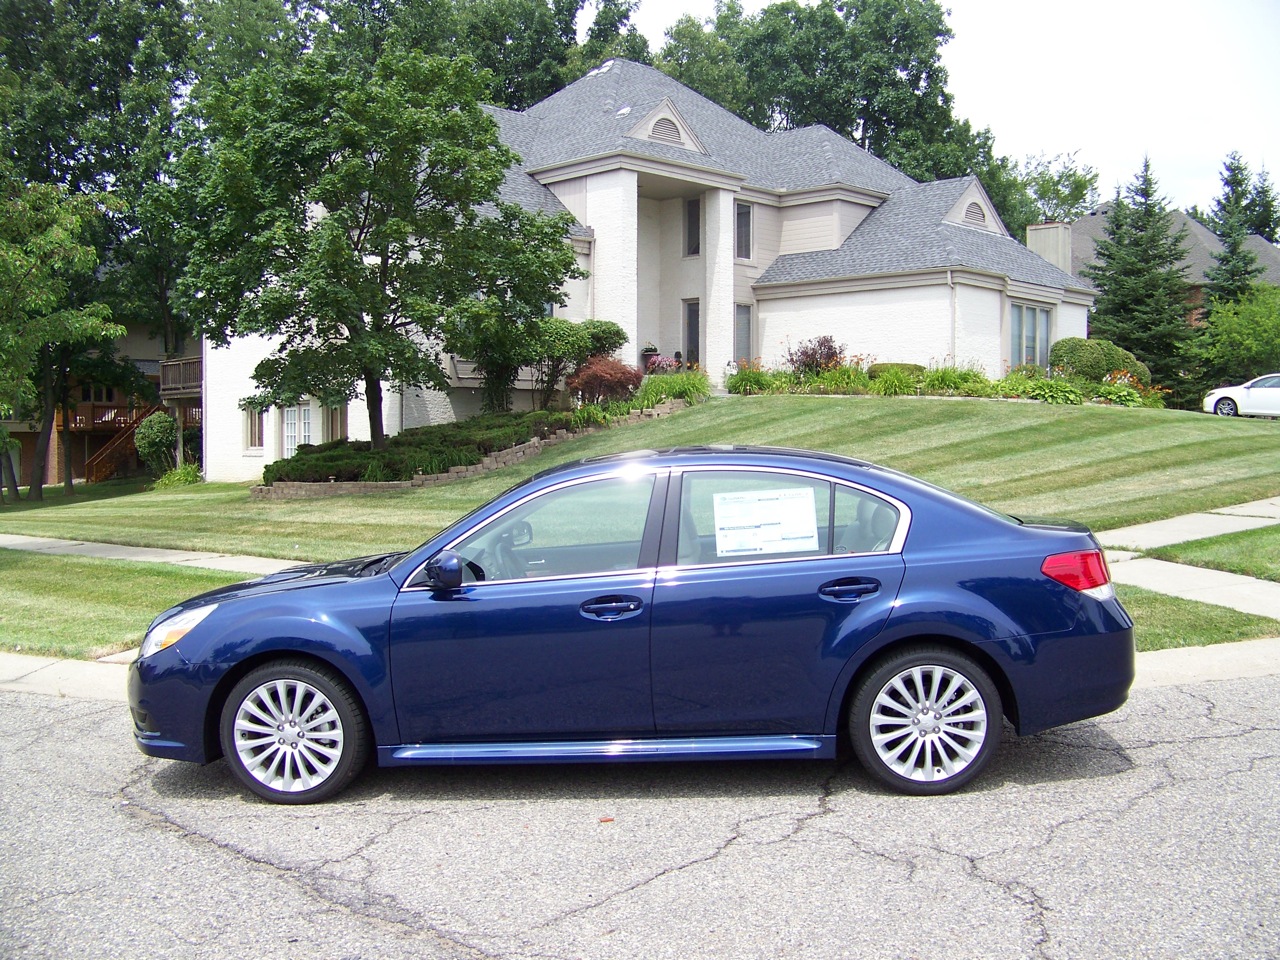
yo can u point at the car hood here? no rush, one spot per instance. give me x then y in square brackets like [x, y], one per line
[293, 578]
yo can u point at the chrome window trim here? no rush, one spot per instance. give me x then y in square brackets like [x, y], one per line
[896, 542]
[631, 471]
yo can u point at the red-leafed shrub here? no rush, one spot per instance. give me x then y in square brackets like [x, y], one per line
[603, 379]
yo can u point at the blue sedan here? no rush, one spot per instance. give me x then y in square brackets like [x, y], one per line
[699, 603]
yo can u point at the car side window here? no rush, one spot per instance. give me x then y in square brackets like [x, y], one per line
[576, 530]
[863, 522]
[728, 515]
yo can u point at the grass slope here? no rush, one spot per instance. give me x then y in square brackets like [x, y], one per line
[1105, 466]
[1250, 553]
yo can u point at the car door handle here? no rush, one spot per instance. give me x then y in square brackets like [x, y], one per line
[611, 608]
[848, 590]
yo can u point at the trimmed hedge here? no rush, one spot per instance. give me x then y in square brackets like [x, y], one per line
[1092, 360]
[432, 449]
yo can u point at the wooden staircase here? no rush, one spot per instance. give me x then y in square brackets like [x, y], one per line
[104, 464]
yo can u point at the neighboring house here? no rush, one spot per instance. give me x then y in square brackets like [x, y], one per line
[99, 425]
[1201, 244]
[706, 236]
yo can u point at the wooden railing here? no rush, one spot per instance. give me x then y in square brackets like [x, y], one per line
[100, 416]
[181, 377]
[104, 464]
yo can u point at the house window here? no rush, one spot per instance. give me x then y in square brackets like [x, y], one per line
[1029, 334]
[296, 429]
[253, 429]
[692, 227]
[692, 331]
[742, 231]
[742, 333]
[90, 393]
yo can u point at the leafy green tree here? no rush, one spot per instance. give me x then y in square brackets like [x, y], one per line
[698, 56]
[611, 34]
[525, 45]
[1063, 191]
[1242, 338]
[1142, 290]
[43, 253]
[340, 211]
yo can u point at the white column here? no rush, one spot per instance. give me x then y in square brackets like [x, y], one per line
[717, 305]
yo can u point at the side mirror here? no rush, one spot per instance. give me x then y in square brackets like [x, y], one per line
[521, 533]
[444, 571]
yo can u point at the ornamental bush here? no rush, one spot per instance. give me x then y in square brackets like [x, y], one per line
[913, 370]
[156, 439]
[894, 381]
[811, 357]
[1093, 359]
[602, 379]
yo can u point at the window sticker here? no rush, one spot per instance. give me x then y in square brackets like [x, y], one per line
[766, 521]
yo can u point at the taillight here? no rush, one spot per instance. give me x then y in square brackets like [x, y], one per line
[1083, 570]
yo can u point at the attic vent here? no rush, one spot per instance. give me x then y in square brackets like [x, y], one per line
[665, 130]
[974, 215]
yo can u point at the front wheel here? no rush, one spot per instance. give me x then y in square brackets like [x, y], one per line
[293, 732]
[1226, 407]
[926, 720]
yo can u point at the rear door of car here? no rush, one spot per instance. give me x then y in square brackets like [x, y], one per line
[553, 642]
[768, 583]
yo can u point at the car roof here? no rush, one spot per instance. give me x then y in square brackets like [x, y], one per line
[712, 455]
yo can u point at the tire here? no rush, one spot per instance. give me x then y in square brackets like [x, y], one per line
[922, 751]
[294, 732]
[1226, 407]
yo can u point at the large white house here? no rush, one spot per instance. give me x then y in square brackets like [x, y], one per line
[705, 235]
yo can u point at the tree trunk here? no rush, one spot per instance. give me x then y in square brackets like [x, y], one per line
[68, 481]
[8, 476]
[373, 398]
[48, 398]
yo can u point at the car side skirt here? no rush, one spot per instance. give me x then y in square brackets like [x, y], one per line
[593, 751]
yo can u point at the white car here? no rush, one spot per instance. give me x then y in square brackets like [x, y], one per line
[1260, 397]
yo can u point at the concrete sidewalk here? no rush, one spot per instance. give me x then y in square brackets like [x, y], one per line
[1194, 526]
[256, 566]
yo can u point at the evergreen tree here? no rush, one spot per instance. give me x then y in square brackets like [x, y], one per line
[1142, 291]
[1262, 209]
[1236, 266]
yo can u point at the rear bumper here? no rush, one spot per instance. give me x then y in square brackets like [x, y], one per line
[1072, 678]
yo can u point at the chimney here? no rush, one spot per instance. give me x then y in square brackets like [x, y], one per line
[1053, 242]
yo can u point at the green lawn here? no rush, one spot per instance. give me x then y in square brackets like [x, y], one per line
[1251, 553]
[1105, 466]
[1162, 622]
[83, 607]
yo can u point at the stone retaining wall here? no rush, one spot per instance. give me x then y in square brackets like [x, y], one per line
[289, 490]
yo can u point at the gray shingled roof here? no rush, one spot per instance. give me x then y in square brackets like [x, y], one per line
[1201, 245]
[587, 119]
[592, 117]
[906, 233]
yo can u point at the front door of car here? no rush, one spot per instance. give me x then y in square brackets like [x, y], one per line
[549, 639]
[1263, 397]
[768, 584]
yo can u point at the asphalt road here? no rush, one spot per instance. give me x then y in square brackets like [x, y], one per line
[1153, 832]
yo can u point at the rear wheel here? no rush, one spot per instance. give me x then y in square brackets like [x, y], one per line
[1226, 407]
[926, 720]
[294, 732]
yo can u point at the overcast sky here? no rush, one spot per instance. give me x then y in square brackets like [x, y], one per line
[1183, 81]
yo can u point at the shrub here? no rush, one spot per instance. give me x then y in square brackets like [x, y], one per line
[913, 370]
[657, 363]
[589, 415]
[691, 386]
[893, 382]
[748, 379]
[815, 355]
[1013, 384]
[156, 438]
[602, 379]
[1117, 394]
[1055, 391]
[1093, 359]
[181, 476]
[843, 379]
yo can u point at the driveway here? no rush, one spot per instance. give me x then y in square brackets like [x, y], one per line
[1153, 832]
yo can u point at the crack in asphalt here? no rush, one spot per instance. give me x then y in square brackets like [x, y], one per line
[377, 908]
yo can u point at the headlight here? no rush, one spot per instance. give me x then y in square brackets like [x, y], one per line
[168, 632]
